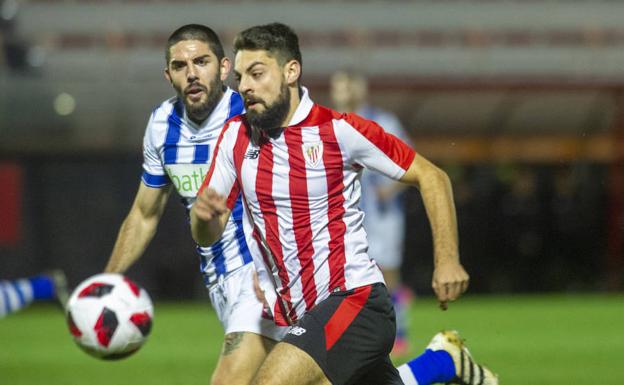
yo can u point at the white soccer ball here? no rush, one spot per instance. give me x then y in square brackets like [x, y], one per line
[109, 316]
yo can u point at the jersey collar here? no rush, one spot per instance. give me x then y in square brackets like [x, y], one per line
[303, 109]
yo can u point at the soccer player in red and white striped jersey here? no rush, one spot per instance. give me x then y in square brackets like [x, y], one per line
[297, 165]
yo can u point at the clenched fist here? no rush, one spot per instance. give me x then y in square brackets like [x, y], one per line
[450, 281]
[209, 205]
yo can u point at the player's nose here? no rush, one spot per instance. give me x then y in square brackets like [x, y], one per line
[191, 73]
[244, 86]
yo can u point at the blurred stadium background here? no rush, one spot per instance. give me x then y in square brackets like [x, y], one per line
[521, 101]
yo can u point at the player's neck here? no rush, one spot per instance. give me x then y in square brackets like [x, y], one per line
[195, 120]
[295, 98]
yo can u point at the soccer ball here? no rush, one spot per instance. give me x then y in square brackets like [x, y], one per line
[109, 316]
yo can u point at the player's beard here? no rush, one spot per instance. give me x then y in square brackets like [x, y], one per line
[198, 112]
[270, 120]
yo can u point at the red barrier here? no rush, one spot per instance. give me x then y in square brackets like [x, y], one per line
[11, 187]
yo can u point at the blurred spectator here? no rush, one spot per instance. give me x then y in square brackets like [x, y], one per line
[382, 200]
[13, 50]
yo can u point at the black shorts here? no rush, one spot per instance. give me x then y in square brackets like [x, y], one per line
[350, 335]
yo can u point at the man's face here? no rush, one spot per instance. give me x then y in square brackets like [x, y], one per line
[347, 93]
[263, 85]
[197, 76]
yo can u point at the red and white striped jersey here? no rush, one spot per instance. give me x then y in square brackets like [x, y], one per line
[302, 192]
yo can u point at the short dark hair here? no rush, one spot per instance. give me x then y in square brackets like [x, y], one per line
[276, 38]
[195, 32]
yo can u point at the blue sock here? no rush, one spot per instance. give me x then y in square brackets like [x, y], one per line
[432, 367]
[42, 287]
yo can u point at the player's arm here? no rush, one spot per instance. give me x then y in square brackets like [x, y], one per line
[450, 279]
[139, 227]
[209, 216]
[211, 210]
[369, 145]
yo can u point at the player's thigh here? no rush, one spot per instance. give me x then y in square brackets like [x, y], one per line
[241, 356]
[287, 364]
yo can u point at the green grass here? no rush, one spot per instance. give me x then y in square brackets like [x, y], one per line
[528, 340]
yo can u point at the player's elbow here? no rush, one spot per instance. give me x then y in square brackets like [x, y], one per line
[440, 176]
[434, 179]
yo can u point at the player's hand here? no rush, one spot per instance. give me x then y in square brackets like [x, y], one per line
[450, 281]
[209, 205]
[258, 290]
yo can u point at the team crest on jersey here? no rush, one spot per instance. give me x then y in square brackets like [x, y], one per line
[312, 152]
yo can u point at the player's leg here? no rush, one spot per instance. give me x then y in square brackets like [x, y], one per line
[241, 356]
[386, 248]
[446, 360]
[249, 334]
[401, 298]
[18, 294]
[289, 365]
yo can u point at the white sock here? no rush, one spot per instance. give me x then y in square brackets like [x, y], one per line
[406, 375]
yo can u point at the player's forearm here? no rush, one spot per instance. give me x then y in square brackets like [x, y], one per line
[206, 232]
[437, 194]
[134, 236]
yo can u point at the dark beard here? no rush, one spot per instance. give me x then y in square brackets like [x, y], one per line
[269, 121]
[199, 112]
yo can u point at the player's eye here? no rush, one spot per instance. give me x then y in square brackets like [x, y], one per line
[176, 66]
[256, 74]
[201, 61]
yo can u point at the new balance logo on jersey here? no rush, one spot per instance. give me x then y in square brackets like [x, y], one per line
[252, 153]
[297, 330]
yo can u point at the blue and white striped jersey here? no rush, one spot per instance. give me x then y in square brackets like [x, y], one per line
[375, 209]
[178, 151]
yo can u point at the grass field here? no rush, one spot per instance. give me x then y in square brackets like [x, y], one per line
[536, 340]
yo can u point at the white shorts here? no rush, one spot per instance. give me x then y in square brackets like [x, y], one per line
[238, 308]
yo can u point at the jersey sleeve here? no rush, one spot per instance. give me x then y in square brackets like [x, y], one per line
[392, 125]
[154, 174]
[367, 144]
[221, 176]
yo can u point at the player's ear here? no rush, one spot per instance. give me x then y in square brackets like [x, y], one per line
[167, 75]
[292, 71]
[225, 68]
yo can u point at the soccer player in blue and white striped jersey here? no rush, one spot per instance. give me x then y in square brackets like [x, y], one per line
[178, 146]
[382, 198]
